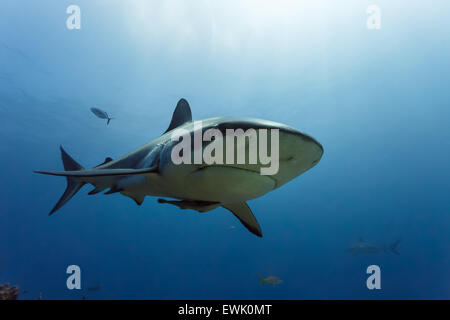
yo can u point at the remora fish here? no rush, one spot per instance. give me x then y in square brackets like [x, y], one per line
[149, 170]
[101, 114]
[363, 247]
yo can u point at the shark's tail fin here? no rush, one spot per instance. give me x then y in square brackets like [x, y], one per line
[262, 279]
[73, 185]
[393, 247]
[100, 178]
[109, 119]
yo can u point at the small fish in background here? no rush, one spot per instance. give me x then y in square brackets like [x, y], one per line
[363, 247]
[273, 280]
[231, 227]
[101, 114]
[8, 293]
[95, 287]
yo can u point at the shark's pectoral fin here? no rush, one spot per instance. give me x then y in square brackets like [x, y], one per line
[200, 206]
[242, 211]
[181, 115]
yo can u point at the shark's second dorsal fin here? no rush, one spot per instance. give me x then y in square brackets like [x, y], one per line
[181, 115]
[107, 159]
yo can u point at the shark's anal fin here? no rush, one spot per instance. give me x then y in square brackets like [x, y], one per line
[200, 206]
[242, 211]
[181, 115]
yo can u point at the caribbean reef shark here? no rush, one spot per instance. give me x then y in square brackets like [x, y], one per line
[150, 169]
[362, 247]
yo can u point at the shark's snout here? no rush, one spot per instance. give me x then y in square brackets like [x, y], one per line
[318, 153]
[299, 152]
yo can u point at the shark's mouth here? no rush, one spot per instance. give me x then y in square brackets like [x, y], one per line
[204, 167]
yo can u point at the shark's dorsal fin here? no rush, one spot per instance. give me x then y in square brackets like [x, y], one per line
[242, 211]
[181, 115]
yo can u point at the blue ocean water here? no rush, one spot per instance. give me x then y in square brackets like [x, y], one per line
[377, 100]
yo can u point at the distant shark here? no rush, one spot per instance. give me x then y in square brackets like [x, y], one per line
[149, 170]
[363, 247]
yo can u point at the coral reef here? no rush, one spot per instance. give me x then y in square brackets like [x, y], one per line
[8, 293]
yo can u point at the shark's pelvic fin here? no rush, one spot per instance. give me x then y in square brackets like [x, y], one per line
[114, 189]
[72, 184]
[200, 206]
[242, 211]
[96, 190]
[181, 115]
[138, 198]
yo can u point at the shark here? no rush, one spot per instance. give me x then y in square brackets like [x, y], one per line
[150, 171]
[363, 247]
